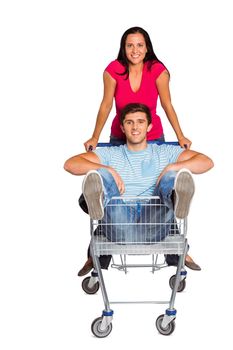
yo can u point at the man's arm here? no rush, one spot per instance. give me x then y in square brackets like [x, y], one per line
[84, 162]
[196, 162]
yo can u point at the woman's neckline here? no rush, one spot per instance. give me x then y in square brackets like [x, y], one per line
[139, 88]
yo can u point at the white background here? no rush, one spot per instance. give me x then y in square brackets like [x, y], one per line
[53, 54]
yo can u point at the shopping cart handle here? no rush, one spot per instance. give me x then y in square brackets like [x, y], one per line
[108, 144]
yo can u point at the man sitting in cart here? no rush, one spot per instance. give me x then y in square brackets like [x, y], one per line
[138, 168]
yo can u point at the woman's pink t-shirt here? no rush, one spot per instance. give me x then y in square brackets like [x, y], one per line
[147, 94]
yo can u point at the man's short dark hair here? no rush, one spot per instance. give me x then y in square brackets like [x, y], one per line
[133, 108]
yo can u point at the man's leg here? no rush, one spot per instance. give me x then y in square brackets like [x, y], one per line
[88, 266]
[176, 190]
[165, 189]
[155, 221]
[160, 214]
[98, 189]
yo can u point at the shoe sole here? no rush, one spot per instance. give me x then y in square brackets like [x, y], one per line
[93, 194]
[184, 190]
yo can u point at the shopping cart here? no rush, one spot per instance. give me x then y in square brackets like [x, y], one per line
[143, 231]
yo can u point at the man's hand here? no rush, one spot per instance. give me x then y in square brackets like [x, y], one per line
[119, 182]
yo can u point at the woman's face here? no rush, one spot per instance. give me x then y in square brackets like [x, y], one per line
[135, 48]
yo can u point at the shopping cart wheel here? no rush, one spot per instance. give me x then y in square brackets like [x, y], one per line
[87, 289]
[97, 331]
[168, 329]
[181, 286]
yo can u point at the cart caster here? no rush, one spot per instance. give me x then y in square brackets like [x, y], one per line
[164, 330]
[181, 286]
[87, 288]
[96, 328]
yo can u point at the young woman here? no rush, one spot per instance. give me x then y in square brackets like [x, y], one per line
[137, 76]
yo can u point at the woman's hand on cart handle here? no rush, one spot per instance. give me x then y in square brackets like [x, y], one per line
[184, 142]
[91, 144]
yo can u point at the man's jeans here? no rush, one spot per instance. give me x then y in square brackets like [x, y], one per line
[125, 221]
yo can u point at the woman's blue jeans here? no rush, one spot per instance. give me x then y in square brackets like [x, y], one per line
[125, 221]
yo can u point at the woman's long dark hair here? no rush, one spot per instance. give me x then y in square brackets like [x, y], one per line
[150, 55]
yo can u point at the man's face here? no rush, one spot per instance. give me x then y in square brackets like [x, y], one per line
[135, 127]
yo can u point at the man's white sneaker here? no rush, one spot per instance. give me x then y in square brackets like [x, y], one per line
[93, 193]
[184, 190]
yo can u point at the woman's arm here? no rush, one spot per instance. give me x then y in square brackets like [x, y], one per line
[104, 110]
[162, 83]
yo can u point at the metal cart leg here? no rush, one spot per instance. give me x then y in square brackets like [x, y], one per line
[181, 273]
[102, 325]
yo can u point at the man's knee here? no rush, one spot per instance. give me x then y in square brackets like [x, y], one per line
[168, 176]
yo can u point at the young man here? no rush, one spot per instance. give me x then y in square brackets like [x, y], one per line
[139, 169]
